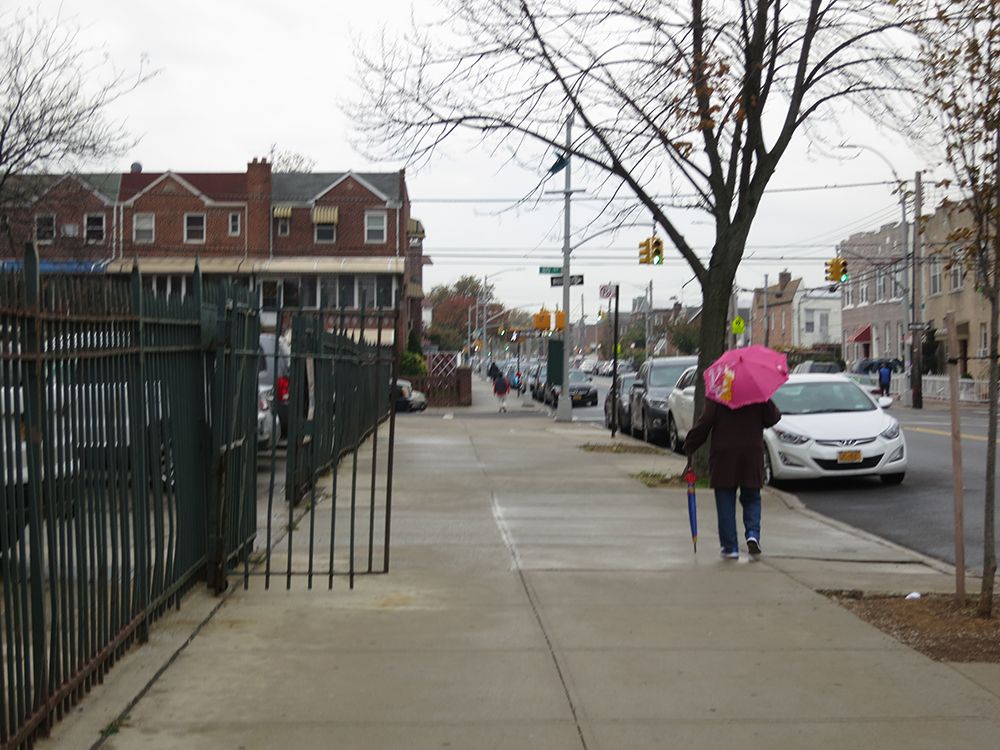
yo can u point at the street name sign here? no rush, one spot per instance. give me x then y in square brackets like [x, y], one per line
[550, 269]
[573, 280]
[608, 291]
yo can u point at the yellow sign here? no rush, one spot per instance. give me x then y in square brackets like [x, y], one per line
[739, 325]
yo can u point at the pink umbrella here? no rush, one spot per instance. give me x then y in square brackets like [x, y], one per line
[745, 376]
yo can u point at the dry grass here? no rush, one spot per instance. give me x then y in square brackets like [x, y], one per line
[622, 448]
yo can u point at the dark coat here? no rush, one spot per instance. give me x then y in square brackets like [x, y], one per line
[736, 458]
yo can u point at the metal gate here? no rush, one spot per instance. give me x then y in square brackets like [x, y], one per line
[329, 498]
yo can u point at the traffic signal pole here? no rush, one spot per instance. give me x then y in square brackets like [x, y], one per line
[564, 410]
[614, 371]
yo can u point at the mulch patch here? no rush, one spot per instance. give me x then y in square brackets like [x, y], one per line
[621, 448]
[935, 624]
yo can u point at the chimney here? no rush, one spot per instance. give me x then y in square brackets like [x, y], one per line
[784, 279]
[258, 207]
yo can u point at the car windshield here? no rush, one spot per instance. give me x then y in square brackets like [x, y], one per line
[576, 376]
[665, 376]
[821, 398]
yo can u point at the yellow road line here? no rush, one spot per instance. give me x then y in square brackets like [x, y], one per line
[946, 433]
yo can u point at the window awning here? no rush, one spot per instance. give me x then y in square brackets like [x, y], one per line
[324, 214]
[861, 336]
[283, 211]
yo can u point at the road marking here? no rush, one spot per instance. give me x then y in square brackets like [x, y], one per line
[929, 431]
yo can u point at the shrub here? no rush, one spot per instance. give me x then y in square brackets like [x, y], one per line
[412, 364]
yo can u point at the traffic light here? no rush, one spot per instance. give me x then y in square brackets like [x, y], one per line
[836, 270]
[560, 320]
[844, 276]
[657, 256]
[829, 270]
[541, 320]
[646, 250]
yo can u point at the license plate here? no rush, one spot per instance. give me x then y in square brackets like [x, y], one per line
[849, 457]
[577, 398]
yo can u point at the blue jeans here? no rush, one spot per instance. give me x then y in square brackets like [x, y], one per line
[725, 504]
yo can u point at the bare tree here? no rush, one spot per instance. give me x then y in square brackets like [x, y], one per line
[680, 104]
[283, 160]
[961, 64]
[55, 95]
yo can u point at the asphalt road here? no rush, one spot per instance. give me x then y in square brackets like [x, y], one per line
[918, 513]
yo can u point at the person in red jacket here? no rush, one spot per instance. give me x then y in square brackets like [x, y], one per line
[736, 461]
[501, 388]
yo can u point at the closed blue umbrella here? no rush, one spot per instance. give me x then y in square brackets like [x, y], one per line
[691, 478]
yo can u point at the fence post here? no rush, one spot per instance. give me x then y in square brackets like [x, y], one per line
[33, 424]
[137, 437]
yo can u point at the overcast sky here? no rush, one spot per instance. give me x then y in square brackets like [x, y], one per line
[238, 75]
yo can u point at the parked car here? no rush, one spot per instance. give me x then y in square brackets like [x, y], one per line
[273, 373]
[812, 365]
[407, 398]
[680, 409]
[831, 428]
[620, 395]
[537, 381]
[650, 391]
[582, 391]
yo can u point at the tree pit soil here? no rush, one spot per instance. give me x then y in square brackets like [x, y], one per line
[935, 624]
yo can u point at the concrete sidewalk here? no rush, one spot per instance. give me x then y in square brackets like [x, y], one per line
[541, 597]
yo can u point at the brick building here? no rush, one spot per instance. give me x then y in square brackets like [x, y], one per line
[776, 328]
[874, 315]
[339, 239]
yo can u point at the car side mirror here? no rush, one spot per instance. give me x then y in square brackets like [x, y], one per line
[885, 401]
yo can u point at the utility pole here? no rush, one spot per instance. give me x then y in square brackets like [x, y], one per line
[907, 292]
[649, 312]
[916, 327]
[468, 333]
[958, 492]
[564, 410]
[613, 395]
[767, 320]
[583, 327]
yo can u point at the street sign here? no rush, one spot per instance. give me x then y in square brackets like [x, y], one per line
[739, 325]
[608, 291]
[918, 326]
[573, 280]
[550, 269]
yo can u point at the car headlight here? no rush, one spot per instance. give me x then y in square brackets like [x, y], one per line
[790, 438]
[892, 431]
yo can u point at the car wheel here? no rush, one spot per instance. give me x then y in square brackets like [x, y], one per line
[675, 441]
[768, 474]
[892, 479]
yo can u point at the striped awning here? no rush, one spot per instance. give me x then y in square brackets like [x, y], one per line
[283, 211]
[324, 214]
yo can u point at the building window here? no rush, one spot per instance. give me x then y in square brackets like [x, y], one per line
[326, 232]
[366, 291]
[290, 293]
[984, 341]
[957, 274]
[887, 341]
[328, 292]
[824, 326]
[810, 324]
[900, 338]
[897, 282]
[194, 228]
[45, 228]
[849, 294]
[880, 285]
[375, 222]
[234, 224]
[284, 227]
[383, 291]
[935, 271]
[144, 229]
[863, 284]
[94, 228]
[269, 298]
[307, 292]
[345, 290]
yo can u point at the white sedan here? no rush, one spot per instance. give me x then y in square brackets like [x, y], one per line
[831, 428]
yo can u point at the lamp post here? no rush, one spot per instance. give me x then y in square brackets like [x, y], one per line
[564, 411]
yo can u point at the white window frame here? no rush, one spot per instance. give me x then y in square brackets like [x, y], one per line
[86, 228]
[863, 289]
[50, 240]
[151, 228]
[984, 340]
[284, 227]
[957, 275]
[316, 237]
[235, 223]
[809, 322]
[369, 215]
[880, 285]
[849, 294]
[897, 281]
[934, 270]
[887, 343]
[204, 229]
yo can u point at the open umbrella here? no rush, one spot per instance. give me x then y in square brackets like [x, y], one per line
[744, 376]
[690, 478]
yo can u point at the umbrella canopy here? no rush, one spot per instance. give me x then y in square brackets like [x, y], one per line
[690, 477]
[745, 376]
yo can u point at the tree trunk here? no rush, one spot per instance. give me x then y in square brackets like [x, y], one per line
[711, 338]
[985, 608]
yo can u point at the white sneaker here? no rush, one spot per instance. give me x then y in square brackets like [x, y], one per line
[726, 555]
[753, 546]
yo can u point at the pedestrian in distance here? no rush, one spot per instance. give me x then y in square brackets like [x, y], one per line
[501, 388]
[736, 462]
[493, 371]
[884, 377]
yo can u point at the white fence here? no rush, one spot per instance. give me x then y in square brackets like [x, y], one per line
[935, 387]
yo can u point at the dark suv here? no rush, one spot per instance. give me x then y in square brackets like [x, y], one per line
[649, 392]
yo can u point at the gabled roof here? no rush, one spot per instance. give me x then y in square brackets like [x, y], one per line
[31, 187]
[305, 187]
[215, 186]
